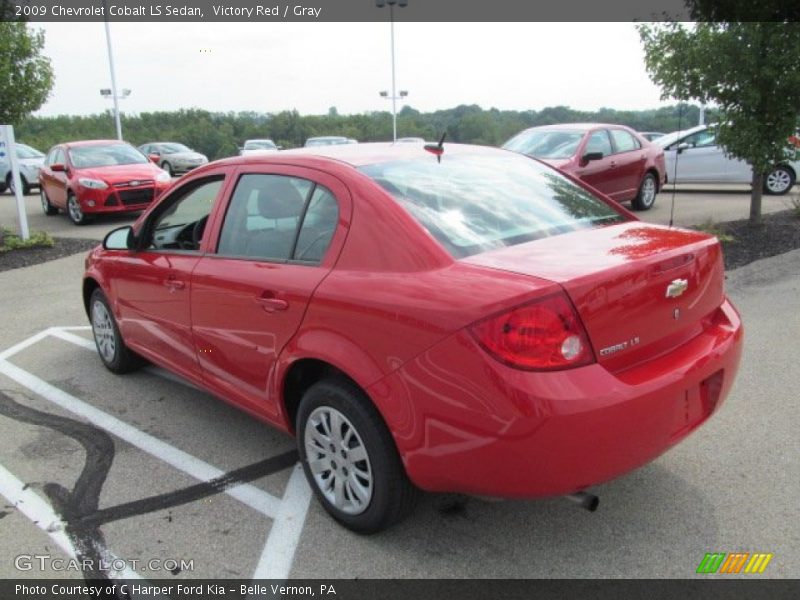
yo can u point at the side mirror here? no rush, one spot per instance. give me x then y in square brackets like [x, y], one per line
[683, 146]
[154, 157]
[119, 239]
[590, 156]
[58, 168]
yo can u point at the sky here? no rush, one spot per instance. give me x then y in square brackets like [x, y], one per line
[270, 67]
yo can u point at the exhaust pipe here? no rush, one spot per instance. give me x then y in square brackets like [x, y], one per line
[588, 501]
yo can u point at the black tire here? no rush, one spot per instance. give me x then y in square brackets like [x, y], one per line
[47, 207]
[646, 197]
[74, 211]
[26, 187]
[393, 496]
[168, 168]
[122, 359]
[779, 181]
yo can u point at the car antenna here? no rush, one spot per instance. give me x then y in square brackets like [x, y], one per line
[437, 149]
[675, 169]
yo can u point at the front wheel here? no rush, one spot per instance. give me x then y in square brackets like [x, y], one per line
[647, 193]
[779, 181]
[116, 356]
[350, 459]
[168, 168]
[76, 214]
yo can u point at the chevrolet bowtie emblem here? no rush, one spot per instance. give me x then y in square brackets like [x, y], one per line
[676, 287]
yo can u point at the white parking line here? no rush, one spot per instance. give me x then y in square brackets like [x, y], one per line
[28, 502]
[289, 512]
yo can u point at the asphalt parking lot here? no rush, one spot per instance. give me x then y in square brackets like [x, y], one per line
[137, 448]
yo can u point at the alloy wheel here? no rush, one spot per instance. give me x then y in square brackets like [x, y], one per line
[103, 330]
[338, 460]
[75, 212]
[778, 181]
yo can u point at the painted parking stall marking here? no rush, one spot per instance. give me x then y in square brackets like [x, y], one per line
[287, 513]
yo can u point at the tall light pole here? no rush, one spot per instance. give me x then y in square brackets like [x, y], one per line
[113, 75]
[394, 96]
[109, 94]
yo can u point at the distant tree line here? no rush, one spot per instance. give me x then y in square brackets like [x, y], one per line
[221, 134]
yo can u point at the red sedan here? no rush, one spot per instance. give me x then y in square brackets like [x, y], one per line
[481, 324]
[98, 176]
[613, 159]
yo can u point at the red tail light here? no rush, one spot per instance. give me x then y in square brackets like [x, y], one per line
[545, 335]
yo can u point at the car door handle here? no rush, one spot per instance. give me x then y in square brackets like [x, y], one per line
[270, 303]
[174, 283]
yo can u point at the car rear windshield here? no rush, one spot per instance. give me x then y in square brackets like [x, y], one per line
[475, 203]
[110, 155]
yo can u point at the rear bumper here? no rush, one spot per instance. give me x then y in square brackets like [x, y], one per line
[466, 423]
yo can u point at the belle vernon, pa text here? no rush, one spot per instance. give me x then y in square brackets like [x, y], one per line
[175, 10]
[180, 590]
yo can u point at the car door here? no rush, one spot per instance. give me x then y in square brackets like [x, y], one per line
[153, 283]
[279, 238]
[602, 173]
[55, 182]
[701, 159]
[630, 161]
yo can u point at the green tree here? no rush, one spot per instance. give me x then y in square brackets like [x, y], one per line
[747, 68]
[26, 76]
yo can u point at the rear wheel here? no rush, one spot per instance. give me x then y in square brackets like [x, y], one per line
[26, 187]
[116, 356]
[47, 208]
[350, 459]
[647, 193]
[779, 181]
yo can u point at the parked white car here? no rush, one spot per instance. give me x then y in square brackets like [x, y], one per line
[254, 147]
[701, 160]
[30, 161]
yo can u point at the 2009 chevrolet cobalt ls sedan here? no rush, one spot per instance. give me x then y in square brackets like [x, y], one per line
[472, 321]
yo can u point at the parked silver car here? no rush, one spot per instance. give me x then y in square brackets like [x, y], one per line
[30, 161]
[701, 160]
[173, 157]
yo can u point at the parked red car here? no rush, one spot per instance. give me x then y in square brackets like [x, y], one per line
[613, 159]
[98, 176]
[481, 325]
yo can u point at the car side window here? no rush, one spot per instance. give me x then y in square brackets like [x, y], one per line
[319, 225]
[264, 216]
[701, 139]
[599, 142]
[181, 225]
[624, 141]
[56, 157]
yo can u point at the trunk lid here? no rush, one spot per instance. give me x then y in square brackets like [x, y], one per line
[640, 289]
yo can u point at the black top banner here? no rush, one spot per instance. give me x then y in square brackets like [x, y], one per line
[365, 10]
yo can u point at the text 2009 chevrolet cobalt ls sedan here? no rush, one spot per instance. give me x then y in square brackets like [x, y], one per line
[480, 324]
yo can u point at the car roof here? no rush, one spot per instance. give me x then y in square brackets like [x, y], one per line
[358, 155]
[79, 143]
[583, 126]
